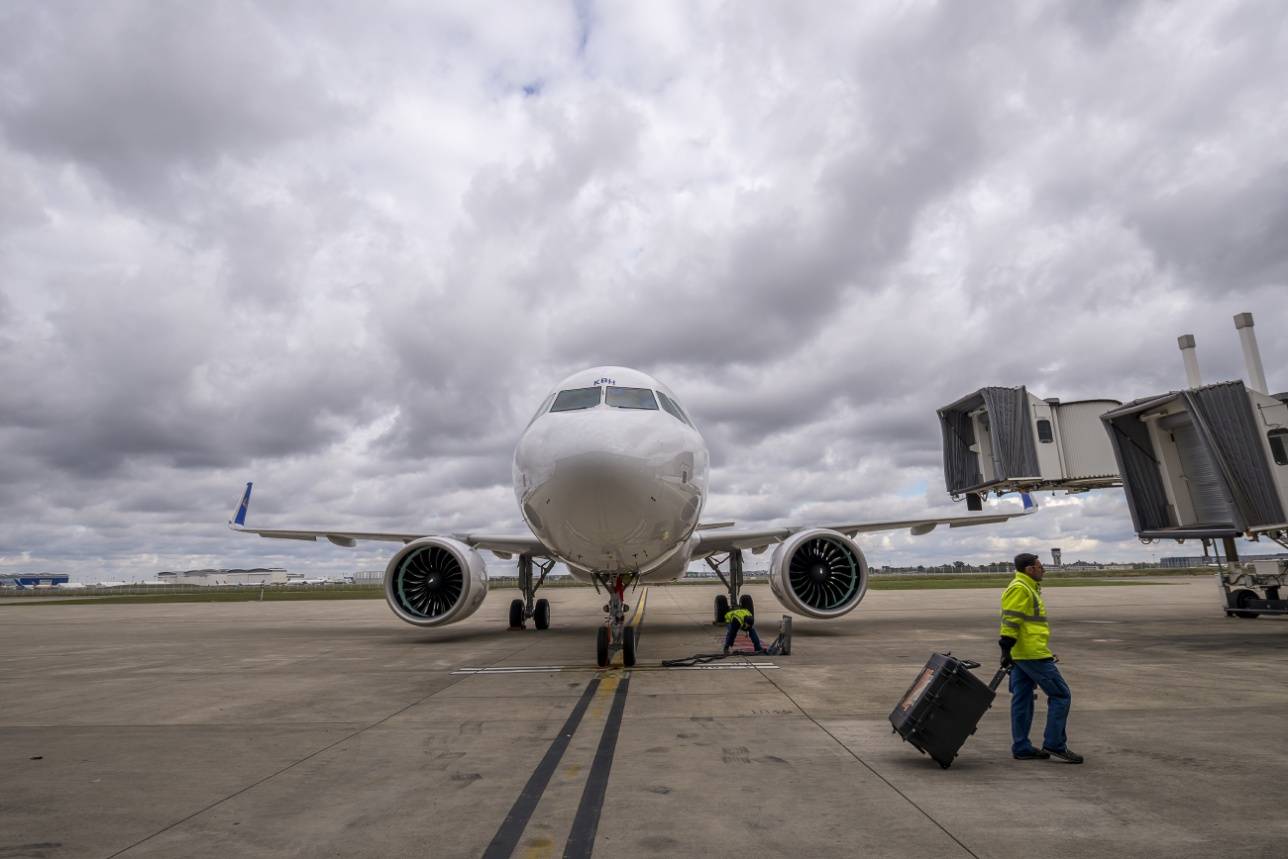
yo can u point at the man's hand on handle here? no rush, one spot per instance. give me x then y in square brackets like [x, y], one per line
[1006, 643]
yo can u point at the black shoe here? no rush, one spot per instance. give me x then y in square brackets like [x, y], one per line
[1032, 755]
[1064, 755]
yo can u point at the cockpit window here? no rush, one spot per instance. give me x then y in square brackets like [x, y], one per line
[576, 398]
[631, 398]
[674, 408]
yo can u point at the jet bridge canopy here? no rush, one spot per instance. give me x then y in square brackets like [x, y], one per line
[1007, 439]
[1203, 463]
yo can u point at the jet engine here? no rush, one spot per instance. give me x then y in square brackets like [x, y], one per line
[818, 573]
[435, 581]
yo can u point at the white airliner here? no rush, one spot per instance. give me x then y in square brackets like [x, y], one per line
[611, 478]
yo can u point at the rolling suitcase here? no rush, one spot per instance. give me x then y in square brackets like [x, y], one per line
[943, 705]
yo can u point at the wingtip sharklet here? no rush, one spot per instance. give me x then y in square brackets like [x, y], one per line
[239, 519]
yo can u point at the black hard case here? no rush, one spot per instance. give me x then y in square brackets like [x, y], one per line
[943, 706]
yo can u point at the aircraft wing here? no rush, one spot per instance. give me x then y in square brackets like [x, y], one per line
[715, 542]
[500, 544]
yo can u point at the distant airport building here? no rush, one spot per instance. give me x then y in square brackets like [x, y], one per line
[1055, 557]
[211, 578]
[1199, 560]
[32, 580]
[369, 577]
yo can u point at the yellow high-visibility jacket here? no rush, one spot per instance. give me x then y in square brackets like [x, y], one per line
[1024, 618]
[739, 614]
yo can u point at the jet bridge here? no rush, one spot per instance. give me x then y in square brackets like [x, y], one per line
[1008, 440]
[1204, 463]
[1207, 463]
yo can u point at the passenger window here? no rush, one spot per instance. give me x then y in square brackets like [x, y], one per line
[576, 398]
[673, 408]
[631, 398]
[1044, 431]
[1279, 445]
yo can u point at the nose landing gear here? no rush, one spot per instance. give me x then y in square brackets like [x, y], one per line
[615, 634]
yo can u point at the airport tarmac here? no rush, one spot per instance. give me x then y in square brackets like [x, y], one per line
[330, 728]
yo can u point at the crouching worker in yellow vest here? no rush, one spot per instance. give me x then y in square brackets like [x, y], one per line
[740, 618]
[1025, 632]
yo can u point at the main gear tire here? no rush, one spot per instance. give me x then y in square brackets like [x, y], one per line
[541, 614]
[745, 601]
[722, 608]
[516, 614]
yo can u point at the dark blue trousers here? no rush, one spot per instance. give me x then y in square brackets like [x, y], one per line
[733, 633]
[1026, 676]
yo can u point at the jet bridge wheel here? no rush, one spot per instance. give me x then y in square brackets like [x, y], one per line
[516, 614]
[603, 638]
[541, 614]
[628, 646]
[1241, 599]
[722, 607]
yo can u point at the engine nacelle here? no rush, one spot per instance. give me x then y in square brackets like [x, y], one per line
[435, 581]
[818, 573]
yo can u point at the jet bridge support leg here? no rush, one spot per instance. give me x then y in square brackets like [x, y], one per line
[530, 607]
[733, 585]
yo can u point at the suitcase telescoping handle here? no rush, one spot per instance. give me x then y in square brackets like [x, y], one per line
[971, 664]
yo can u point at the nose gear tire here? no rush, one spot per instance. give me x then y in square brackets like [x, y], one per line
[628, 647]
[602, 639]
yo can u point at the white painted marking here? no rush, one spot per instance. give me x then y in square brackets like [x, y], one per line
[734, 667]
[549, 669]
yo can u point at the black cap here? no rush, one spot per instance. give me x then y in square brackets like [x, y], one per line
[1024, 560]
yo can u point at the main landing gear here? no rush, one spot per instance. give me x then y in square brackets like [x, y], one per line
[522, 609]
[733, 584]
[615, 634]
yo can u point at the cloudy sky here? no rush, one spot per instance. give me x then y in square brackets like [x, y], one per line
[344, 252]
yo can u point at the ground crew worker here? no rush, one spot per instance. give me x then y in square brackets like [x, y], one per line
[1025, 632]
[740, 618]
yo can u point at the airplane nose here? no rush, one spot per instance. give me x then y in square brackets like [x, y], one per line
[610, 489]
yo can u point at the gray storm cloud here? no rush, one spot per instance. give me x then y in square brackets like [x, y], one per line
[344, 252]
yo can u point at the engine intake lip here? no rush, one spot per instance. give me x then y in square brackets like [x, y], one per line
[824, 574]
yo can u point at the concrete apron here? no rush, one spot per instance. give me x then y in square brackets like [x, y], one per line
[328, 728]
